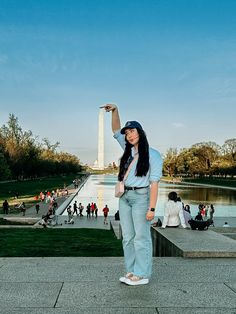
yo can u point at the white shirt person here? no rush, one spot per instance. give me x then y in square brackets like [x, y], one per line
[173, 212]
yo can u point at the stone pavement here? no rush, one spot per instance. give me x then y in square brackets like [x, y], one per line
[90, 285]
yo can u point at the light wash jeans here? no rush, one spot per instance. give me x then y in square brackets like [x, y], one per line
[137, 242]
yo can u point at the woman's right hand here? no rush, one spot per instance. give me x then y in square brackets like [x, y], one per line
[109, 107]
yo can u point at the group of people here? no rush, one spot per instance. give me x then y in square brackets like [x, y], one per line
[176, 213]
[91, 210]
[203, 211]
[49, 196]
[20, 206]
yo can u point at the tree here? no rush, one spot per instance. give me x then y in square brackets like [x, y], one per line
[5, 171]
[229, 148]
[23, 156]
[169, 165]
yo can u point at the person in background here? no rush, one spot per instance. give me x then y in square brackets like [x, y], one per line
[81, 208]
[211, 211]
[199, 216]
[226, 225]
[75, 207]
[187, 215]
[173, 212]
[37, 207]
[5, 207]
[92, 209]
[23, 208]
[88, 210]
[117, 215]
[105, 213]
[96, 210]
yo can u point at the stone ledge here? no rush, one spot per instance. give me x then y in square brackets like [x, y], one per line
[191, 243]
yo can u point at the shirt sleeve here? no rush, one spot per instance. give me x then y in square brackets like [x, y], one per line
[156, 163]
[120, 139]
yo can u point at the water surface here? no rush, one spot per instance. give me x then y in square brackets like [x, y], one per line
[100, 189]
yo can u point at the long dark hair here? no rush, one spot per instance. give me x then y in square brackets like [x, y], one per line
[143, 160]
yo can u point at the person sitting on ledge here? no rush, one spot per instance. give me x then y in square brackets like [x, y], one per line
[173, 212]
[199, 216]
[226, 225]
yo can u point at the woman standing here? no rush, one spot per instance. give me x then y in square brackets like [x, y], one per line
[137, 204]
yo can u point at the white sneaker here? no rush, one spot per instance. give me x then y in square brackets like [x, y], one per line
[136, 281]
[127, 276]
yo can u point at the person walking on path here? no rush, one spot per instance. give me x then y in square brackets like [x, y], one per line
[5, 207]
[81, 208]
[88, 211]
[37, 207]
[75, 208]
[211, 211]
[23, 208]
[92, 209]
[137, 204]
[105, 213]
[96, 210]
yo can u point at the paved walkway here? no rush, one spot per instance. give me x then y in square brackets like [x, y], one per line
[90, 285]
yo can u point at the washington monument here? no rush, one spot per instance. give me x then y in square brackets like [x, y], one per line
[100, 164]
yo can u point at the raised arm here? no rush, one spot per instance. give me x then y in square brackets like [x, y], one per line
[115, 119]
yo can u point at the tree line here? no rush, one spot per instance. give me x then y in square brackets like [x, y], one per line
[202, 159]
[22, 155]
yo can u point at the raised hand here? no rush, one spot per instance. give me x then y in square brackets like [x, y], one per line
[109, 107]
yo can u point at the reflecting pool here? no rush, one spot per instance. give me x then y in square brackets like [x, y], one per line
[100, 190]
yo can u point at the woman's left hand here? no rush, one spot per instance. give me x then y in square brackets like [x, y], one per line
[150, 215]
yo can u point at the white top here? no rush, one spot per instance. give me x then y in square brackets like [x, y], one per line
[173, 215]
[226, 225]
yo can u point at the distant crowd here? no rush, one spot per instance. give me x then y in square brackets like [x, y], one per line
[176, 213]
[91, 211]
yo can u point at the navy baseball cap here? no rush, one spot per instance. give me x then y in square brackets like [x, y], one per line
[131, 125]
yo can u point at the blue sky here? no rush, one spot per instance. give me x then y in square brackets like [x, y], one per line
[170, 64]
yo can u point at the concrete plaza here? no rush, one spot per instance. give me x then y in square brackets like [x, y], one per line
[90, 285]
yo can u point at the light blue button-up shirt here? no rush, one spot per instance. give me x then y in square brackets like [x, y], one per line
[155, 169]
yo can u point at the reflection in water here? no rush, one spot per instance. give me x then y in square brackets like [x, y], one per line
[100, 197]
[100, 189]
[203, 194]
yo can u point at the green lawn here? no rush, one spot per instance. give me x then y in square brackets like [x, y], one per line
[33, 187]
[58, 242]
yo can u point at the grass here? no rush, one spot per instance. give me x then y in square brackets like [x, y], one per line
[29, 189]
[15, 242]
